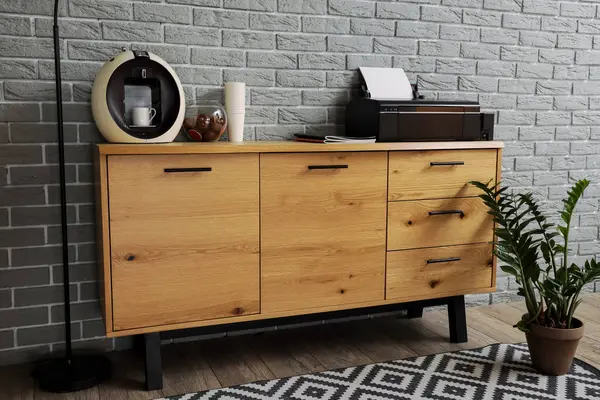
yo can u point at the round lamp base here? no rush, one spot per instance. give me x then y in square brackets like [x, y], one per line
[82, 372]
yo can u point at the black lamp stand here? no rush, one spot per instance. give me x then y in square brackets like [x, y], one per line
[71, 372]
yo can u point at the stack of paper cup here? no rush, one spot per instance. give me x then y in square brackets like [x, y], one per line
[235, 105]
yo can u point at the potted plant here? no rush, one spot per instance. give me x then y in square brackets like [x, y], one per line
[550, 284]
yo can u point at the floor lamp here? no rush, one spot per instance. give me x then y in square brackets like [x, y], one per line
[71, 372]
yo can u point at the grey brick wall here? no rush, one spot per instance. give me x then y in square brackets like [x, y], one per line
[535, 63]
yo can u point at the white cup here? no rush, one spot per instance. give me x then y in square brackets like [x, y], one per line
[235, 97]
[143, 116]
[235, 127]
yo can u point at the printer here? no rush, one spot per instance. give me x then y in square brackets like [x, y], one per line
[390, 109]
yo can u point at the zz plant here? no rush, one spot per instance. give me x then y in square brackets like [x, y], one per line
[550, 285]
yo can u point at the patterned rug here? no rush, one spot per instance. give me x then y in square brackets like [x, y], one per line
[496, 372]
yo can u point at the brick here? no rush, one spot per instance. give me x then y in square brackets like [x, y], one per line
[482, 18]
[463, 3]
[256, 77]
[415, 64]
[504, 5]
[395, 46]
[594, 103]
[558, 24]
[532, 163]
[325, 97]
[303, 6]
[79, 233]
[40, 133]
[120, 30]
[538, 39]
[71, 70]
[557, 56]
[261, 115]
[94, 51]
[205, 3]
[7, 339]
[586, 88]
[574, 72]
[105, 9]
[574, 41]
[301, 42]
[275, 22]
[221, 18]
[441, 14]
[372, 27]
[79, 311]
[352, 8]
[480, 51]
[42, 295]
[218, 57]
[356, 60]
[511, 53]
[421, 30]
[512, 133]
[477, 84]
[4, 218]
[45, 334]
[39, 175]
[500, 36]
[15, 25]
[577, 10]
[551, 148]
[20, 154]
[199, 76]
[553, 118]
[458, 66]
[75, 194]
[351, 44]
[299, 115]
[438, 49]
[437, 82]
[274, 97]
[567, 163]
[553, 87]
[321, 61]
[398, 11]
[516, 117]
[496, 68]
[162, 13]
[459, 33]
[587, 57]
[23, 316]
[527, 70]
[18, 69]
[589, 26]
[254, 5]
[39, 256]
[249, 40]
[21, 196]
[259, 59]
[342, 79]
[540, 7]
[69, 28]
[29, 7]
[572, 133]
[27, 47]
[45, 215]
[5, 298]
[586, 118]
[34, 91]
[325, 25]
[497, 101]
[300, 78]
[534, 102]
[520, 21]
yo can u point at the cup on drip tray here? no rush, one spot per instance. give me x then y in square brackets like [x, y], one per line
[235, 105]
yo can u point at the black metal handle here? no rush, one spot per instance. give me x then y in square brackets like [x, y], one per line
[339, 166]
[442, 260]
[445, 163]
[446, 212]
[201, 169]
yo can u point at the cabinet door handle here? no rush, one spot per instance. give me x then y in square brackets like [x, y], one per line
[445, 163]
[202, 169]
[338, 166]
[446, 212]
[442, 260]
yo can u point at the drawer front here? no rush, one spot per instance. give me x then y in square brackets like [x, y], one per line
[441, 222]
[184, 238]
[437, 174]
[322, 229]
[440, 271]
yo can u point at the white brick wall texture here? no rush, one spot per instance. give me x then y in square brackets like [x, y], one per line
[534, 63]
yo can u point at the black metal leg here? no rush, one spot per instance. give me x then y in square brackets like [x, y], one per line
[153, 363]
[457, 319]
[415, 312]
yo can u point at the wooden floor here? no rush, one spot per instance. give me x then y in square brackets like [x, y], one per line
[192, 367]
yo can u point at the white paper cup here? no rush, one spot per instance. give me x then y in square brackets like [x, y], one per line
[235, 127]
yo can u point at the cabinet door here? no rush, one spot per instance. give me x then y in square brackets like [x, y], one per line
[323, 228]
[184, 238]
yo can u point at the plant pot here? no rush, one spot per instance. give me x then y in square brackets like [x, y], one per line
[552, 350]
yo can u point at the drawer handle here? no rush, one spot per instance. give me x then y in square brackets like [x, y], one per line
[203, 169]
[339, 166]
[446, 212]
[445, 163]
[442, 260]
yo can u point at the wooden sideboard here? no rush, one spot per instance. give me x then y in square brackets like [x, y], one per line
[199, 235]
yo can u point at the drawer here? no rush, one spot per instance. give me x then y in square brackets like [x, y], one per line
[184, 238]
[323, 228]
[441, 222]
[438, 174]
[440, 271]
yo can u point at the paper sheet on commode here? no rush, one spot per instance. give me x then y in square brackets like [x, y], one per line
[387, 83]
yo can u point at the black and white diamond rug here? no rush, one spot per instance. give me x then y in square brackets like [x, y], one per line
[496, 372]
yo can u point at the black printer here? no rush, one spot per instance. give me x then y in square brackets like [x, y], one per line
[417, 120]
